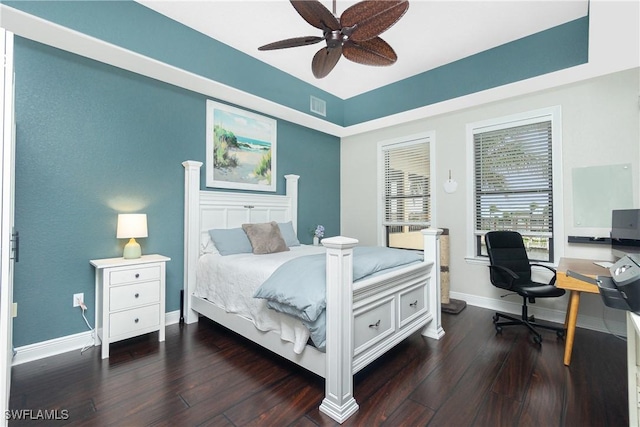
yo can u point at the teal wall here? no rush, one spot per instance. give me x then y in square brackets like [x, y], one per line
[557, 48]
[139, 29]
[93, 141]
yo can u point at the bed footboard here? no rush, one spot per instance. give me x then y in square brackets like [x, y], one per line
[392, 307]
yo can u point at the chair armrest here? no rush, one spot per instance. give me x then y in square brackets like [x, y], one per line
[545, 266]
[510, 274]
[553, 279]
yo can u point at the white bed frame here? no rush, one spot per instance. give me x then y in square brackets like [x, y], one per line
[403, 301]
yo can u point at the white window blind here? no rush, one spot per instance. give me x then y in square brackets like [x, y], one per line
[514, 179]
[406, 191]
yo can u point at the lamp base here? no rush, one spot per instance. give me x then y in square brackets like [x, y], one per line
[132, 250]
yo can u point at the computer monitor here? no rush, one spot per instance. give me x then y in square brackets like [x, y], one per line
[625, 232]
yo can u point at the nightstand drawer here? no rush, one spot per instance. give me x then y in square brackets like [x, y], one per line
[412, 303]
[138, 274]
[134, 295]
[131, 320]
[372, 323]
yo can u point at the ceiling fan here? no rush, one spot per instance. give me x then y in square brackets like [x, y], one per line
[354, 34]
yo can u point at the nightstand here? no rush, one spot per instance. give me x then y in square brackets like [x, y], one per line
[130, 298]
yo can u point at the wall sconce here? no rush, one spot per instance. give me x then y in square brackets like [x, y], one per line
[129, 227]
[450, 185]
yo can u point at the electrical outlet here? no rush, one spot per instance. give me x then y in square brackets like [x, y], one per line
[77, 299]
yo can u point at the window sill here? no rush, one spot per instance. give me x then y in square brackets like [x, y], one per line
[476, 260]
[485, 261]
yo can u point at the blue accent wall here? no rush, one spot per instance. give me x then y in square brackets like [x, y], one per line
[557, 48]
[132, 26]
[139, 29]
[94, 141]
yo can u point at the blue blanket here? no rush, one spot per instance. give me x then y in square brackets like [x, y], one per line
[298, 287]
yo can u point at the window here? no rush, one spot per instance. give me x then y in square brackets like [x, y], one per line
[513, 180]
[406, 191]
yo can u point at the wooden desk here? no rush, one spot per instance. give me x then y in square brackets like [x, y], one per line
[586, 267]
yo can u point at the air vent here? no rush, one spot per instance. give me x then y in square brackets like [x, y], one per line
[318, 106]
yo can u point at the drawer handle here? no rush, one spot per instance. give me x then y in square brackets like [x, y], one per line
[137, 275]
[136, 295]
[137, 320]
[414, 304]
[375, 325]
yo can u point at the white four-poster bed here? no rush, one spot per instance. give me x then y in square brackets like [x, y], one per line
[364, 319]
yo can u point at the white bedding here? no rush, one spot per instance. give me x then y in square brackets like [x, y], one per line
[230, 281]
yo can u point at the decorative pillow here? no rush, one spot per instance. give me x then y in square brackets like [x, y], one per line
[288, 234]
[265, 238]
[230, 241]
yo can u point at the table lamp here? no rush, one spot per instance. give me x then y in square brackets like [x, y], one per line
[129, 227]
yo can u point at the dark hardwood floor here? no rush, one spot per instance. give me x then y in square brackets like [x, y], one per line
[206, 375]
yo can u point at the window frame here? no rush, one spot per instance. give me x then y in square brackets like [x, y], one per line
[424, 137]
[552, 114]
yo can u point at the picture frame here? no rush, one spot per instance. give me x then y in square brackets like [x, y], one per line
[240, 149]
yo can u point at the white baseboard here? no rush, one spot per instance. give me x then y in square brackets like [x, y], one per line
[588, 322]
[40, 350]
[60, 345]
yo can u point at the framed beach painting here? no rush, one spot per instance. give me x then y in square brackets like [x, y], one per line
[241, 149]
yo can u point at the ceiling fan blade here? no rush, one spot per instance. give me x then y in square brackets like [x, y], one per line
[370, 18]
[294, 42]
[370, 52]
[324, 60]
[316, 14]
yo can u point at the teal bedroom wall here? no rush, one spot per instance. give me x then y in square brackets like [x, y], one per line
[130, 25]
[139, 29]
[557, 48]
[93, 141]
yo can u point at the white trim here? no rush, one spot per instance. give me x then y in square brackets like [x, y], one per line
[53, 347]
[7, 190]
[554, 114]
[557, 316]
[610, 25]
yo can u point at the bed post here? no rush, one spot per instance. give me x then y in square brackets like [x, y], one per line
[431, 237]
[191, 233]
[338, 402]
[292, 192]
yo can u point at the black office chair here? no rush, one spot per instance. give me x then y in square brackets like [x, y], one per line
[510, 269]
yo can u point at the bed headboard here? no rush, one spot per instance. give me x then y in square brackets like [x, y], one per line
[204, 210]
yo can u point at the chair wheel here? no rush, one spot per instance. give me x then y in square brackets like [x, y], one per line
[498, 329]
[532, 318]
[560, 334]
[537, 339]
[495, 318]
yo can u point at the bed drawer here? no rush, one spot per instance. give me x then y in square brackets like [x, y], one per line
[412, 303]
[134, 295]
[139, 274]
[125, 322]
[373, 323]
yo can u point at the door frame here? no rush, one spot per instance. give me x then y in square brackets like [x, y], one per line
[6, 221]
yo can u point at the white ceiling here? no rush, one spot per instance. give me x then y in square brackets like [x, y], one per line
[432, 33]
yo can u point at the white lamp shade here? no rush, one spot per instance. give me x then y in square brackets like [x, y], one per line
[131, 225]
